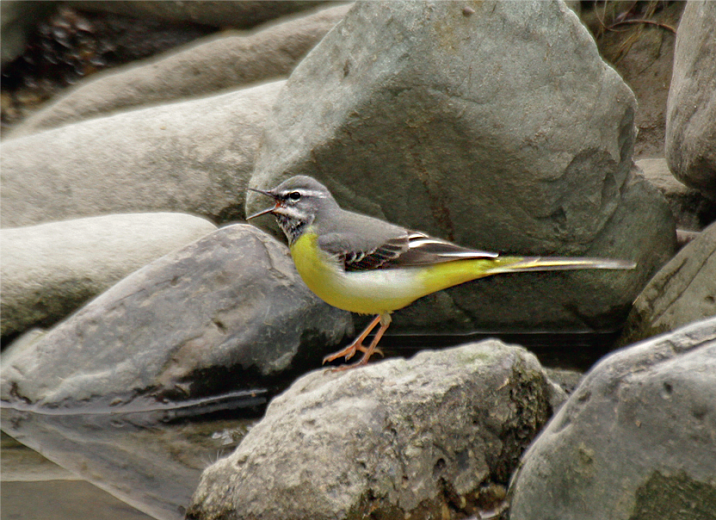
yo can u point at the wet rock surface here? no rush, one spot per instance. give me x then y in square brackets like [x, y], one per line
[146, 460]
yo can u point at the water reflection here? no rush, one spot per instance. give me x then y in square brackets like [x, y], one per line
[150, 457]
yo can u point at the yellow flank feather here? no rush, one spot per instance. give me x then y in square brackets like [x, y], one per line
[448, 274]
[374, 292]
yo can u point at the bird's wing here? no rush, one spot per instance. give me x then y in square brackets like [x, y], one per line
[409, 249]
[353, 253]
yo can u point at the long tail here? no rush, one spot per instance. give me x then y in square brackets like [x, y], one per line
[509, 264]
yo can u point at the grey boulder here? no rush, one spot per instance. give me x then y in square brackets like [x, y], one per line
[193, 157]
[229, 60]
[453, 122]
[691, 109]
[683, 291]
[221, 314]
[49, 270]
[219, 13]
[634, 441]
[397, 439]
[692, 211]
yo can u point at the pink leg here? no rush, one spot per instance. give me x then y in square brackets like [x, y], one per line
[357, 344]
[384, 324]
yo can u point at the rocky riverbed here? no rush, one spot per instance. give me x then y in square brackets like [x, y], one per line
[158, 346]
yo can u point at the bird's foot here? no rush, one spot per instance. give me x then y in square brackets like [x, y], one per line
[346, 353]
[350, 350]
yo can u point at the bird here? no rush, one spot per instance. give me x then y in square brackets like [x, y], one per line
[366, 265]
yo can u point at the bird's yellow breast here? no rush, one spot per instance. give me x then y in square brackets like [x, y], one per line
[375, 291]
[350, 291]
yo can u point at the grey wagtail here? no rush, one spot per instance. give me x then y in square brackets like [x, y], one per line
[365, 265]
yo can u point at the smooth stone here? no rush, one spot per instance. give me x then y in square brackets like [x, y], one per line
[395, 439]
[683, 291]
[49, 270]
[691, 108]
[635, 441]
[150, 461]
[194, 157]
[220, 62]
[227, 312]
[217, 13]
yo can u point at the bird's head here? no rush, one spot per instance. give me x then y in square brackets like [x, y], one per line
[298, 201]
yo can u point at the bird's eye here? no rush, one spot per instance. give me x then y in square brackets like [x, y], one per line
[294, 196]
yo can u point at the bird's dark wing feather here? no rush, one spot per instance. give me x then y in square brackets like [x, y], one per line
[409, 249]
[357, 256]
[426, 250]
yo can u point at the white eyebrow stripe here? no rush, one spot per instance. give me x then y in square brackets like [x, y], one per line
[308, 193]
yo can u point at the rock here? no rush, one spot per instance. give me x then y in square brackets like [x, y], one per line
[49, 270]
[691, 210]
[566, 379]
[635, 441]
[241, 14]
[458, 125]
[691, 109]
[594, 301]
[574, 6]
[682, 292]
[18, 19]
[228, 60]
[643, 55]
[396, 439]
[224, 313]
[191, 157]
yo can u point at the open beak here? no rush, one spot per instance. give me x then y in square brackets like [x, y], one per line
[267, 210]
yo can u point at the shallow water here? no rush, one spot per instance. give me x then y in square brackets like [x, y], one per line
[62, 500]
[144, 461]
